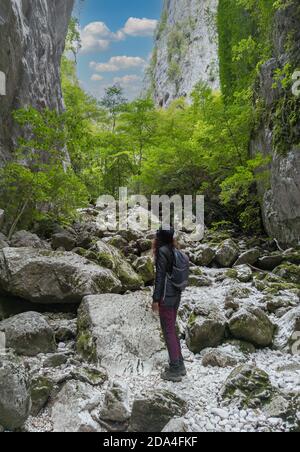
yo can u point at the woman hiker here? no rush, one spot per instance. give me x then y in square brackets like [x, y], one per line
[167, 297]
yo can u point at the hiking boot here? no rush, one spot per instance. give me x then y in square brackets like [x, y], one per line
[181, 367]
[173, 373]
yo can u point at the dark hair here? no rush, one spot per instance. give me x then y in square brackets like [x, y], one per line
[163, 237]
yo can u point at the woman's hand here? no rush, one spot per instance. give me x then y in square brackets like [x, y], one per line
[155, 307]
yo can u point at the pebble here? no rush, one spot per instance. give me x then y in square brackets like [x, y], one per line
[223, 414]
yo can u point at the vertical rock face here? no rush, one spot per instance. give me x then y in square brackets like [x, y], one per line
[186, 49]
[32, 38]
[281, 202]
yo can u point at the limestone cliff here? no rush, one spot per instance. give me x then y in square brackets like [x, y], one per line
[186, 49]
[278, 134]
[32, 37]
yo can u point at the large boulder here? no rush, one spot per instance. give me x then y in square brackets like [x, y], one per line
[227, 254]
[72, 408]
[111, 258]
[116, 404]
[248, 386]
[25, 239]
[288, 331]
[269, 263]
[153, 411]
[206, 327]
[121, 332]
[28, 334]
[43, 276]
[252, 325]
[15, 400]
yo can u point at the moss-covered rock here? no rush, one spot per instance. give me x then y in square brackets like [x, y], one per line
[248, 386]
[227, 253]
[153, 411]
[289, 272]
[144, 266]
[252, 325]
[111, 258]
[40, 390]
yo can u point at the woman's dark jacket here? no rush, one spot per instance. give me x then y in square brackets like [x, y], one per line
[164, 290]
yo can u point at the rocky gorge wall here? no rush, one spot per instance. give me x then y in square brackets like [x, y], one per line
[278, 134]
[32, 39]
[186, 49]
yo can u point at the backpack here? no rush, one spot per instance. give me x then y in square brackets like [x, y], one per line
[181, 271]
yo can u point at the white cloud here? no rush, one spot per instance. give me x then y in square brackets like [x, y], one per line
[140, 27]
[96, 78]
[127, 80]
[118, 63]
[96, 36]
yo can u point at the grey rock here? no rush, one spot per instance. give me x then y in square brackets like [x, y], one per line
[287, 328]
[199, 281]
[269, 263]
[72, 407]
[4, 243]
[15, 400]
[206, 327]
[217, 358]
[144, 266]
[43, 276]
[28, 334]
[32, 40]
[2, 218]
[41, 388]
[252, 325]
[249, 257]
[176, 425]
[154, 410]
[121, 332]
[244, 273]
[63, 240]
[111, 258]
[289, 272]
[55, 360]
[116, 404]
[25, 239]
[204, 256]
[227, 254]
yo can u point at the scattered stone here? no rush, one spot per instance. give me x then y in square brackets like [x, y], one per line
[118, 242]
[223, 414]
[217, 358]
[28, 334]
[15, 400]
[55, 360]
[153, 411]
[46, 277]
[244, 273]
[252, 325]
[116, 404]
[200, 281]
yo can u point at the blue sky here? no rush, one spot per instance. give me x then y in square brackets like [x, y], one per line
[117, 40]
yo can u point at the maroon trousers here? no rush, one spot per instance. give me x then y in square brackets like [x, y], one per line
[168, 317]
